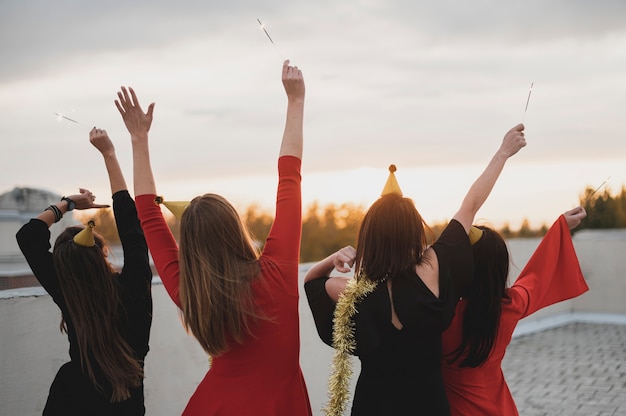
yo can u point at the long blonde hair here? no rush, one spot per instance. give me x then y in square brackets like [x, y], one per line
[218, 262]
[91, 293]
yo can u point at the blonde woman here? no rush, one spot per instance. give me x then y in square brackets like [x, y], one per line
[242, 307]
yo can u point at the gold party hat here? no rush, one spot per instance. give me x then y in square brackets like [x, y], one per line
[175, 207]
[391, 187]
[85, 237]
[475, 234]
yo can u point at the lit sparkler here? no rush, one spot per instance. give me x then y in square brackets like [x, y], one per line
[527, 101]
[599, 187]
[270, 38]
[61, 117]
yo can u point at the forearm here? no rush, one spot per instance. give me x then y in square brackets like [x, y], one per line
[143, 179]
[116, 178]
[480, 190]
[322, 268]
[293, 136]
[48, 215]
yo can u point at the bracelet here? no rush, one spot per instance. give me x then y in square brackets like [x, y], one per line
[56, 211]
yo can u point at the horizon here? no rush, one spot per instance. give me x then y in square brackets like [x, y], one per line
[429, 87]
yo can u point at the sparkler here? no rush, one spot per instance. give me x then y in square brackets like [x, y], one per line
[270, 38]
[527, 101]
[588, 199]
[598, 188]
[61, 117]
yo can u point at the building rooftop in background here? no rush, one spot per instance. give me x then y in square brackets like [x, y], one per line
[17, 207]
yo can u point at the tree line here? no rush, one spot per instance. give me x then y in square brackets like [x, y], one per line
[326, 229]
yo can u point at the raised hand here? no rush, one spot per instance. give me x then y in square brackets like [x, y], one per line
[575, 216]
[293, 82]
[137, 122]
[513, 141]
[85, 199]
[100, 140]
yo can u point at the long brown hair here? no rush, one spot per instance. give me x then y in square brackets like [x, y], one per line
[218, 262]
[483, 307]
[91, 293]
[392, 238]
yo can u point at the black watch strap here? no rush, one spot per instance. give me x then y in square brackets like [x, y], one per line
[70, 204]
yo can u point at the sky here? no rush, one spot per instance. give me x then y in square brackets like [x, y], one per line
[431, 87]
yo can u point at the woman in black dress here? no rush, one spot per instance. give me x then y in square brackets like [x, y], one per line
[392, 314]
[106, 314]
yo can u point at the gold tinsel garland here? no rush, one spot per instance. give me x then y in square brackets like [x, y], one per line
[345, 343]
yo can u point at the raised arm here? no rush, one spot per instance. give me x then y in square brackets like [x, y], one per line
[294, 87]
[82, 200]
[479, 191]
[101, 141]
[138, 124]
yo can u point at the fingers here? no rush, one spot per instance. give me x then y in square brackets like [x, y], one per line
[135, 101]
[120, 108]
[291, 72]
[150, 110]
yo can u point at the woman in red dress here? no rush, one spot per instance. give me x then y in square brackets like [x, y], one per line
[475, 343]
[242, 307]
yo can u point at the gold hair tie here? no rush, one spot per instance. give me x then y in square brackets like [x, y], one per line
[475, 234]
[391, 187]
[85, 236]
[175, 207]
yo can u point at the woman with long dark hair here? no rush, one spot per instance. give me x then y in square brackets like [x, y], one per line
[392, 313]
[476, 341]
[241, 305]
[106, 314]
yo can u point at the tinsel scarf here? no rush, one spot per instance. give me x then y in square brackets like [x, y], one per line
[344, 343]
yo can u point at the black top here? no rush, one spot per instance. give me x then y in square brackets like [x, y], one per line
[401, 369]
[72, 392]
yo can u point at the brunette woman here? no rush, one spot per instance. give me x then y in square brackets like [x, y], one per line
[476, 341]
[392, 313]
[106, 314]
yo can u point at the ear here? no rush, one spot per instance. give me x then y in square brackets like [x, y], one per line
[106, 251]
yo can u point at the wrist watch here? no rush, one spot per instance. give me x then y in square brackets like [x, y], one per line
[70, 204]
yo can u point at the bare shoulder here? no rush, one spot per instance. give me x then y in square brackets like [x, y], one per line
[336, 285]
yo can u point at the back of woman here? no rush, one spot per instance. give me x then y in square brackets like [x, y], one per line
[107, 314]
[241, 308]
[475, 382]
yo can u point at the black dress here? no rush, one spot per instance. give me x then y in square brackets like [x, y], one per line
[401, 369]
[72, 392]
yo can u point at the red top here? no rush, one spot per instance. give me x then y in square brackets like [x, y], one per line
[263, 375]
[551, 275]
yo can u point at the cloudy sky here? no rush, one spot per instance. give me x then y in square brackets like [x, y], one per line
[429, 86]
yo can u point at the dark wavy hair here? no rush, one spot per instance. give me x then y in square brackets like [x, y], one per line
[483, 300]
[392, 238]
[90, 288]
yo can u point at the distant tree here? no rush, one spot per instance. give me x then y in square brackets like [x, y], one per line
[327, 229]
[506, 231]
[259, 223]
[603, 209]
[525, 231]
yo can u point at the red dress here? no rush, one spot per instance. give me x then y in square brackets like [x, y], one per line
[551, 275]
[263, 375]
